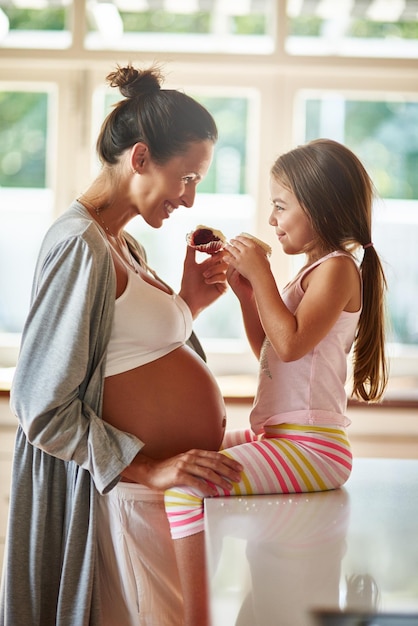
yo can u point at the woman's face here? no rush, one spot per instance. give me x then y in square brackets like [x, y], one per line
[160, 189]
[292, 225]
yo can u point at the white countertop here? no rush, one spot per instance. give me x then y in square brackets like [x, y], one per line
[274, 559]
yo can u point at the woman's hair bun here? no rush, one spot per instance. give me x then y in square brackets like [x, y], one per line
[133, 82]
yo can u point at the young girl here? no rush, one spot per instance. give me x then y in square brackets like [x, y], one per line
[322, 205]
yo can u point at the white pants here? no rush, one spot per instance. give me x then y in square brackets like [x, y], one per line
[139, 579]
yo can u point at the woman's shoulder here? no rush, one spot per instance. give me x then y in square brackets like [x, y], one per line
[73, 244]
[76, 221]
[75, 228]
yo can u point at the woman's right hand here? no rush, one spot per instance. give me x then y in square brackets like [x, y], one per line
[196, 468]
[203, 283]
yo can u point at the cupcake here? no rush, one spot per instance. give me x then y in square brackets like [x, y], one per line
[262, 244]
[206, 239]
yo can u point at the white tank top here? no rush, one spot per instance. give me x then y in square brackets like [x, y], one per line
[148, 324]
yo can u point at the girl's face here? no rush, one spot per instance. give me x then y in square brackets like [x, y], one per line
[293, 227]
[160, 189]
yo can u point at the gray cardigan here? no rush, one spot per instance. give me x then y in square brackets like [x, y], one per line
[64, 454]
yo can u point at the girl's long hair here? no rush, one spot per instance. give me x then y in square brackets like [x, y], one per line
[334, 189]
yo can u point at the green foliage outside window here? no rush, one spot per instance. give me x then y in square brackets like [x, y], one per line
[383, 30]
[231, 118]
[23, 132]
[31, 19]
[152, 21]
[160, 21]
[250, 25]
[385, 136]
[312, 26]
[163, 21]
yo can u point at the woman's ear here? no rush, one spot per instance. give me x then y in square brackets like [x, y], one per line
[139, 156]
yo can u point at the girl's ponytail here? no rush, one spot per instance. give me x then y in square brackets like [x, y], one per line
[370, 372]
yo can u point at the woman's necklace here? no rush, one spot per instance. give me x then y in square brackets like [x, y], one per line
[123, 253]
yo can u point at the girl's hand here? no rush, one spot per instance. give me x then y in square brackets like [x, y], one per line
[195, 468]
[239, 285]
[247, 257]
[204, 282]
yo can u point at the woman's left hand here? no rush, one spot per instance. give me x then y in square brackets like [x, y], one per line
[204, 282]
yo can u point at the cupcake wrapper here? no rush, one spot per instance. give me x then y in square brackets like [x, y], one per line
[211, 247]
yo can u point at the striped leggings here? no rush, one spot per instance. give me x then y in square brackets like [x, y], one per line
[287, 458]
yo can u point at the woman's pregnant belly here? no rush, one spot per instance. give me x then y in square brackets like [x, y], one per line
[172, 404]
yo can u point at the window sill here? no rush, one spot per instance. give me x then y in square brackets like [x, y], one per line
[402, 392]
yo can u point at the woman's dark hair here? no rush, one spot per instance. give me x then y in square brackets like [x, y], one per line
[335, 191]
[166, 120]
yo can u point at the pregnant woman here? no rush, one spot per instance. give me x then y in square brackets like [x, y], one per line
[113, 404]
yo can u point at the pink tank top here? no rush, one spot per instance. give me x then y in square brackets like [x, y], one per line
[310, 390]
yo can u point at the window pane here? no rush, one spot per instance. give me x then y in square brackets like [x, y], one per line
[35, 23]
[232, 26]
[384, 134]
[25, 200]
[23, 121]
[381, 28]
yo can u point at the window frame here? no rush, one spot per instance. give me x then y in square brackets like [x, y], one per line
[277, 78]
